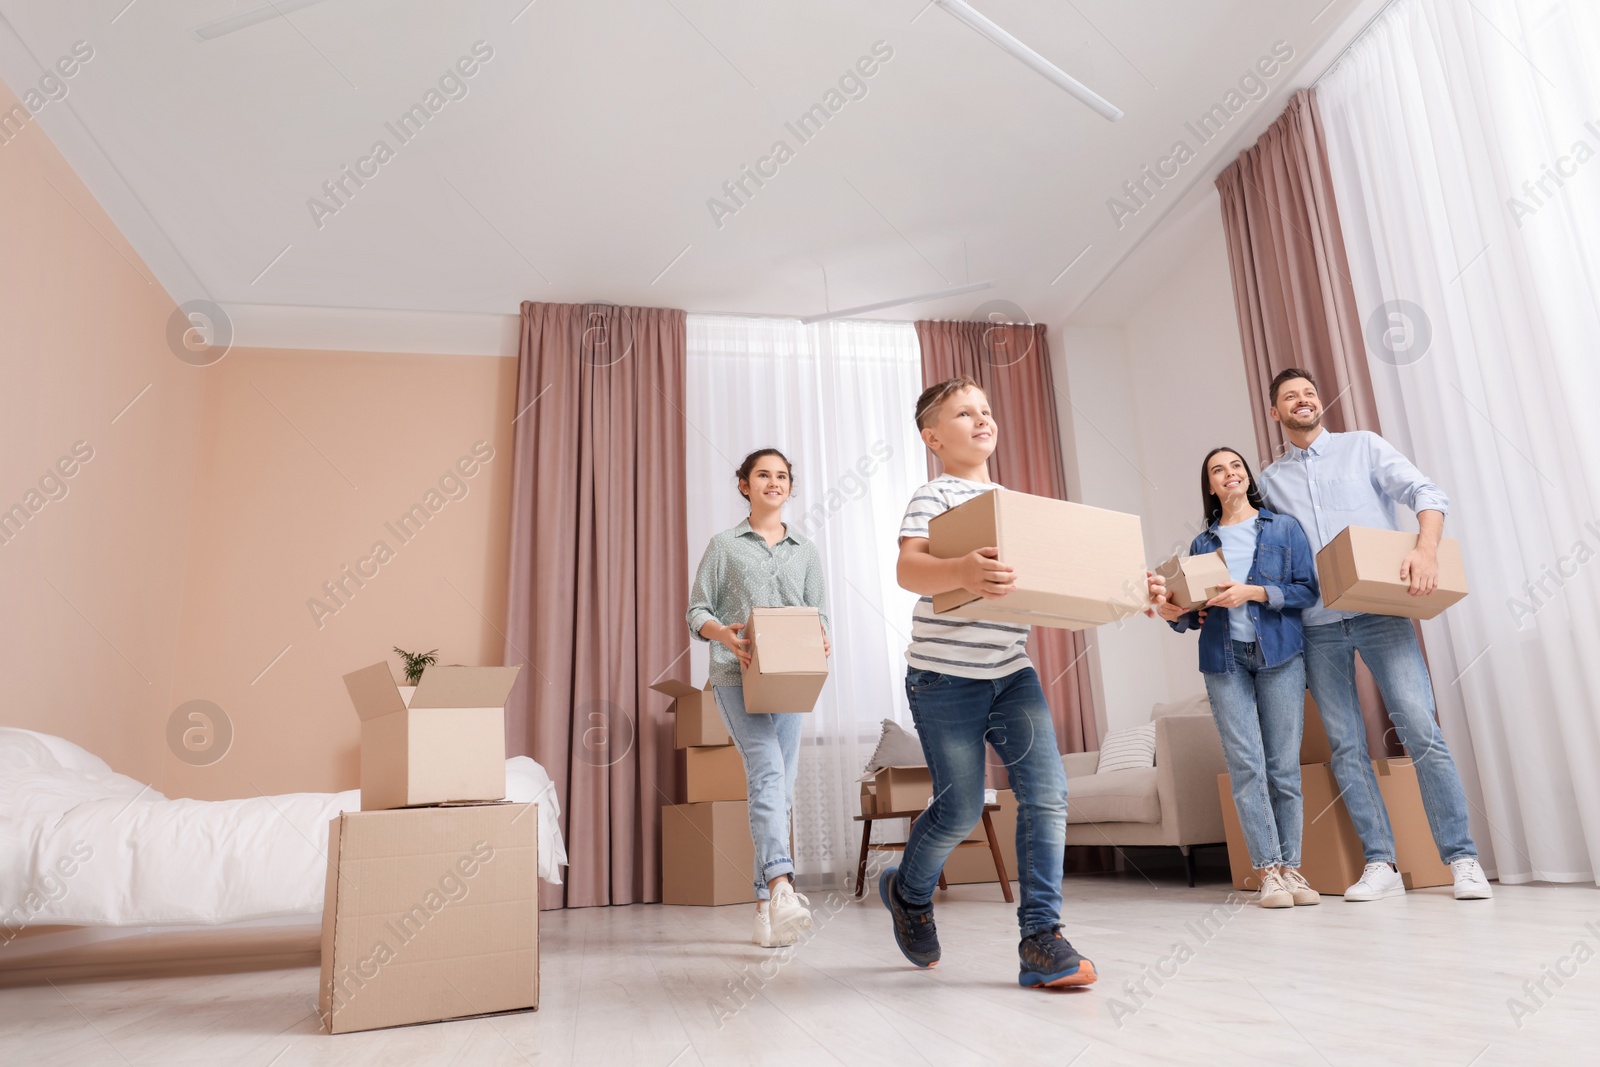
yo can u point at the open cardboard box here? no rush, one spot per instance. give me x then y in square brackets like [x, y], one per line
[696, 723]
[448, 746]
[1359, 570]
[900, 789]
[1193, 580]
[787, 665]
[1076, 566]
[430, 914]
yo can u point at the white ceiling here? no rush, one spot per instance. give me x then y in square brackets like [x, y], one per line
[579, 165]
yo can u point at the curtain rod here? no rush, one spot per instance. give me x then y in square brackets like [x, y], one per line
[1382, 11]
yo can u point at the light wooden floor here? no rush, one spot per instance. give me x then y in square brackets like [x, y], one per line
[1420, 980]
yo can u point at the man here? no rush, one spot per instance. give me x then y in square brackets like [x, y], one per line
[1329, 481]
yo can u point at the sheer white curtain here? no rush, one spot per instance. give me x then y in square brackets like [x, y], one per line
[1463, 141]
[836, 398]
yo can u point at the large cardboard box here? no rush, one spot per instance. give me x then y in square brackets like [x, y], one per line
[1193, 580]
[902, 789]
[447, 746]
[787, 664]
[1076, 566]
[707, 856]
[713, 774]
[697, 723]
[430, 914]
[968, 865]
[1331, 857]
[1314, 745]
[1359, 570]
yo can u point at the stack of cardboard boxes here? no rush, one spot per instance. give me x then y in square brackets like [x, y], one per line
[431, 910]
[706, 853]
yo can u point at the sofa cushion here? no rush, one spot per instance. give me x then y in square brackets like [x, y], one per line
[1128, 750]
[1116, 796]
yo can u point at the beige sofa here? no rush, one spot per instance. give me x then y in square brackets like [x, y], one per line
[1175, 803]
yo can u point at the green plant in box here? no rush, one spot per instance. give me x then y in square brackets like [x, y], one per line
[416, 663]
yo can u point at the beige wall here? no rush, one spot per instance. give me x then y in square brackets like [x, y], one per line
[91, 585]
[180, 560]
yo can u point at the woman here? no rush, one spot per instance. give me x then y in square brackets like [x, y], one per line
[1252, 655]
[760, 563]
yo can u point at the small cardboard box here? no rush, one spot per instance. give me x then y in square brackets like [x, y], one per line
[447, 746]
[968, 865]
[430, 914]
[902, 789]
[707, 856]
[1076, 566]
[1359, 570]
[1193, 580]
[697, 723]
[1331, 856]
[787, 665]
[713, 774]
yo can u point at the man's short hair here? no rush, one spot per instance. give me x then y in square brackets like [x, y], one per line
[1289, 374]
[934, 396]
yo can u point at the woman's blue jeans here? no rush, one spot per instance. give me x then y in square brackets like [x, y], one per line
[955, 718]
[1260, 713]
[770, 748]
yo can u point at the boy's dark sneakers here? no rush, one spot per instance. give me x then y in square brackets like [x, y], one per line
[1048, 959]
[913, 926]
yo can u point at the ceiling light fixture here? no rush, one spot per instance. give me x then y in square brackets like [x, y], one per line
[210, 31]
[966, 13]
[864, 308]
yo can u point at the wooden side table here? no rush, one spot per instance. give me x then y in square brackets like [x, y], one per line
[866, 822]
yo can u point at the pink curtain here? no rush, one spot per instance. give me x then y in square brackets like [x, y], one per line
[599, 581]
[1295, 302]
[1012, 363]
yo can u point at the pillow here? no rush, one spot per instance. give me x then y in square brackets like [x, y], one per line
[897, 747]
[1128, 750]
[1195, 705]
[28, 748]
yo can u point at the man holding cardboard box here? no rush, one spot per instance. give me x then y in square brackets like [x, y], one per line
[1331, 481]
[969, 682]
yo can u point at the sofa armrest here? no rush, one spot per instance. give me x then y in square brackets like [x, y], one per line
[1188, 760]
[1080, 764]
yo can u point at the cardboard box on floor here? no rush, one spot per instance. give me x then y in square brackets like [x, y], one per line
[1076, 566]
[707, 856]
[1314, 746]
[696, 721]
[712, 774]
[969, 865]
[430, 914]
[447, 746]
[787, 665]
[1331, 857]
[1193, 580]
[1359, 570]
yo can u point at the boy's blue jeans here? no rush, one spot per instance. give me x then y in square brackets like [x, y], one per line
[955, 717]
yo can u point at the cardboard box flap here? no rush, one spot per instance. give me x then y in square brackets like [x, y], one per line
[675, 689]
[373, 692]
[465, 687]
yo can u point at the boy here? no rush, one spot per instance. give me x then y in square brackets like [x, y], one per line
[968, 682]
[1330, 481]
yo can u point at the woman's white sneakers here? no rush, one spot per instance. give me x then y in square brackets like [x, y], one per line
[1299, 889]
[1378, 880]
[1471, 884]
[1274, 894]
[780, 920]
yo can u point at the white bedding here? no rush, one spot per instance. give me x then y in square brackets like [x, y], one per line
[83, 845]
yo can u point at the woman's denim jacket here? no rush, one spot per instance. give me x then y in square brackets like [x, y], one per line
[1285, 569]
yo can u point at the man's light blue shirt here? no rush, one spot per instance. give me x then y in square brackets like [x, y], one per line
[1345, 479]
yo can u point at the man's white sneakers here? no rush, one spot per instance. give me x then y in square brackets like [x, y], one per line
[787, 911]
[1471, 884]
[764, 935]
[1378, 880]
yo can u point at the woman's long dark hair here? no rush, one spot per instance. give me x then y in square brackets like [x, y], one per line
[1213, 504]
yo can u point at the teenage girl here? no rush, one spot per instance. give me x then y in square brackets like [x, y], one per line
[760, 563]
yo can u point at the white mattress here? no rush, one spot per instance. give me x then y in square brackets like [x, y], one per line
[83, 845]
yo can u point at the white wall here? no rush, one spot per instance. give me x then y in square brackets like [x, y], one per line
[1154, 383]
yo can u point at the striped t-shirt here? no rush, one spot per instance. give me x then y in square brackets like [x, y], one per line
[967, 648]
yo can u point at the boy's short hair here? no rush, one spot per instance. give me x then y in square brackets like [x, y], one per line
[1289, 374]
[935, 395]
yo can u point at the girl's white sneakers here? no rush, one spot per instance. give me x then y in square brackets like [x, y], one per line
[764, 935]
[788, 912]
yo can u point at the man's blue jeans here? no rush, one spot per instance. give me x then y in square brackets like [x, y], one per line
[1260, 713]
[770, 748]
[955, 717]
[1388, 646]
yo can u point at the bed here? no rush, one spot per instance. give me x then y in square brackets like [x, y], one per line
[81, 845]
